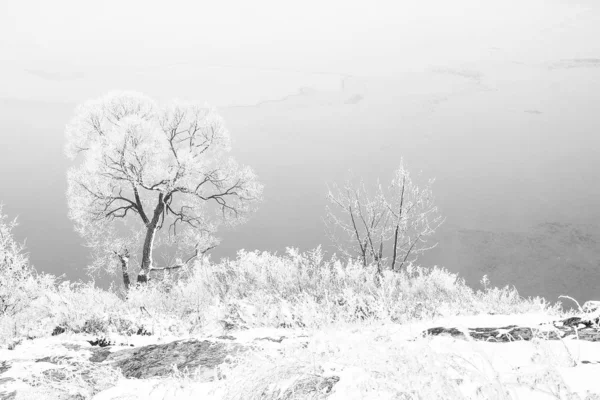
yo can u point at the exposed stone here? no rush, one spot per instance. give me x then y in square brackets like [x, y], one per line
[573, 327]
[503, 334]
[438, 331]
[279, 340]
[99, 354]
[104, 342]
[101, 342]
[59, 330]
[14, 343]
[72, 346]
[8, 395]
[4, 366]
[143, 332]
[53, 360]
[158, 360]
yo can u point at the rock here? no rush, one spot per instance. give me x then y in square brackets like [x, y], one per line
[14, 343]
[580, 328]
[101, 342]
[143, 332]
[59, 330]
[4, 366]
[158, 360]
[72, 346]
[279, 340]
[576, 322]
[99, 354]
[439, 331]
[53, 360]
[504, 334]
[8, 395]
[104, 342]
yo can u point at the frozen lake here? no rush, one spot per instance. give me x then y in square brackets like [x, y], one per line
[498, 103]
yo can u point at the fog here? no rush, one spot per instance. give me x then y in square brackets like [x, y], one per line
[498, 102]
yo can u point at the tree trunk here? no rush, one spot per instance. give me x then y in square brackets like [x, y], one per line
[395, 249]
[379, 266]
[398, 225]
[151, 229]
[147, 254]
[124, 258]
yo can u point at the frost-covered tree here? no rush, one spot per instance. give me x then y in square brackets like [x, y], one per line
[14, 269]
[390, 228]
[152, 177]
[20, 284]
[13, 260]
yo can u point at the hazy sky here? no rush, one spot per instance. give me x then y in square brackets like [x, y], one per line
[349, 36]
[496, 99]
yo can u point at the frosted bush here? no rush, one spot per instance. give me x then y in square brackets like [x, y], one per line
[20, 285]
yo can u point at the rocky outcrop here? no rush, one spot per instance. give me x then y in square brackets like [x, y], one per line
[95, 363]
[6, 395]
[158, 360]
[581, 328]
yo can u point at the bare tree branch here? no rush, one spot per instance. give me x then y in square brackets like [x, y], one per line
[399, 218]
[399, 221]
[186, 262]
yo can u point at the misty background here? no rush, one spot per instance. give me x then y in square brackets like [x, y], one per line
[496, 100]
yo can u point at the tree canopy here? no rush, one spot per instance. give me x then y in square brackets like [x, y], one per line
[152, 176]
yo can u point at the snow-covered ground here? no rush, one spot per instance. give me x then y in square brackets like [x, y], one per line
[372, 361]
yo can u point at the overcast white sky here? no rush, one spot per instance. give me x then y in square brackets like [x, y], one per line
[342, 36]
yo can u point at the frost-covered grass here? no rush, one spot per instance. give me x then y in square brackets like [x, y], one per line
[80, 380]
[256, 290]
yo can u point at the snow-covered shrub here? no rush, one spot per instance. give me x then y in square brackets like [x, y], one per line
[15, 272]
[295, 289]
[20, 285]
[305, 289]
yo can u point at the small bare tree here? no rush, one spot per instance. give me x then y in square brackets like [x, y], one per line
[13, 259]
[16, 288]
[152, 176]
[390, 228]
